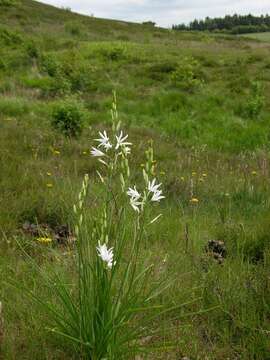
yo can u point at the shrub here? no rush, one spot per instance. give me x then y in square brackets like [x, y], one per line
[113, 52]
[256, 100]
[32, 49]
[73, 28]
[188, 74]
[68, 117]
[49, 64]
[10, 38]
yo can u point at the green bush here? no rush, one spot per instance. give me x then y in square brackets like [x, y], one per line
[256, 100]
[188, 74]
[113, 52]
[8, 2]
[10, 38]
[73, 28]
[68, 117]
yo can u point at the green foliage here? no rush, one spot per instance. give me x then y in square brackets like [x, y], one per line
[68, 117]
[9, 37]
[73, 28]
[13, 106]
[8, 2]
[113, 52]
[256, 100]
[187, 74]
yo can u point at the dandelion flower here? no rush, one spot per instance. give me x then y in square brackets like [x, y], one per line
[194, 200]
[97, 153]
[104, 141]
[106, 255]
[44, 240]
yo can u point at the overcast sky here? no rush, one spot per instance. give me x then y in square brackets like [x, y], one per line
[163, 12]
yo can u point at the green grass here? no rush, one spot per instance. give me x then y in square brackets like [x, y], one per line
[264, 36]
[206, 144]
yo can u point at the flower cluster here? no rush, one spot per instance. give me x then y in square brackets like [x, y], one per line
[104, 143]
[153, 192]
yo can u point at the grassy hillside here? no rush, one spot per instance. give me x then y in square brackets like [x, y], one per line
[264, 36]
[203, 102]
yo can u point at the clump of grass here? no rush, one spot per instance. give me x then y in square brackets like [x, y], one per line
[110, 307]
[10, 106]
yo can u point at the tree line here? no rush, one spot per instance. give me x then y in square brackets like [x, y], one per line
[233, 24]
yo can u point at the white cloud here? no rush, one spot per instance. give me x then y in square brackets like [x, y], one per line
[163, 12]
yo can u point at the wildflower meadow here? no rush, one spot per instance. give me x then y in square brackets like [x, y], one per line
[134, 190]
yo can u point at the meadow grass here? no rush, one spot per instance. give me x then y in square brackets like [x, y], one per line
[207, 148]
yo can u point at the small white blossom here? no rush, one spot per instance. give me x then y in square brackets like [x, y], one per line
[97, 153]
[106, 255]
[120, 142]
[157, 196]
[135, 203]
[152, 187]
[104, 141]
[133, 193]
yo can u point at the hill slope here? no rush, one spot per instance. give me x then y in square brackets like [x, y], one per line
[203, 100]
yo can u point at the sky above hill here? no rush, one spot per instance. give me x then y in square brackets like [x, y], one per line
[163, 12]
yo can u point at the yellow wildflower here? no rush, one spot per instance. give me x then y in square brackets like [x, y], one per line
[194, 200]
[182, 178]
[49, 185]
[49, 173]
[253, 172]
[84, 152]
[204, 175]
[44, 240]
[56, 152]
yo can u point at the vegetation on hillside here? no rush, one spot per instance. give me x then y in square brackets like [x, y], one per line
[232, 24]
[201, 102]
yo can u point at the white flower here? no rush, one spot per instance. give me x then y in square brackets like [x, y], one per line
[152, 187]
[106, 255]
[157, 196]
[122, 143]
[134, 198]
[104, 141]
[96, 152]
[135, 204]
[133, 193]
